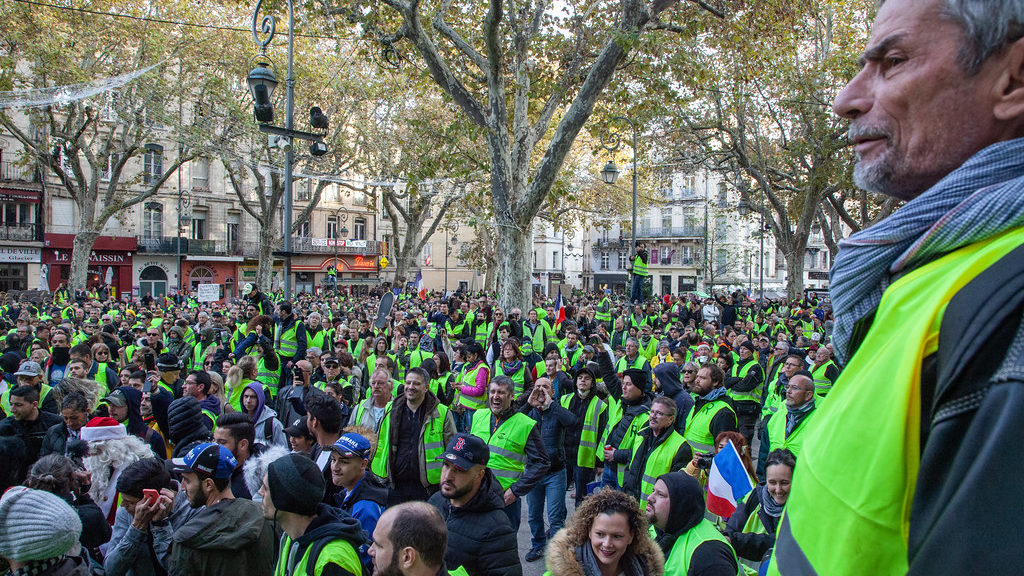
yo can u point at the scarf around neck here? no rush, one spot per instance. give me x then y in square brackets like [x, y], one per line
[980, 199]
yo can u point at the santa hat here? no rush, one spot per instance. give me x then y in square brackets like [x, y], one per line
[103, 428]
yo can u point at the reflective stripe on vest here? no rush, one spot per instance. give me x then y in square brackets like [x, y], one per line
[431, 438]
[507, 444]
[518, 377]
[483, 330]
[469, 379]
[698, 425]
[854, 431]
[658, 462]
[822, 385]
[605, 316]
[267, 377]
[286, 342]
[753, 395]
[639, 266]
[338, 552]
[587, 454]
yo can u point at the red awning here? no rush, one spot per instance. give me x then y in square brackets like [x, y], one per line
[22, 196]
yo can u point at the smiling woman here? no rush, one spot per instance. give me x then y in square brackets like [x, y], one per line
[607, 535]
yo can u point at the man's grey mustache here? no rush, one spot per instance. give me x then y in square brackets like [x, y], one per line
[857, 132]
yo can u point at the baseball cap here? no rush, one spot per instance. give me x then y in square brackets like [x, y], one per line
[116, 398]
[298, 428]
[208, 459]
[329, 360]
[168, 361]
[466, 451]
[352, 445]
[29, 368]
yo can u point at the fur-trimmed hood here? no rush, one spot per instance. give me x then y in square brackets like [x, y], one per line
[561, 556]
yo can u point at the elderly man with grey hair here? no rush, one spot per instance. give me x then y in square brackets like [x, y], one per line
[917, 453]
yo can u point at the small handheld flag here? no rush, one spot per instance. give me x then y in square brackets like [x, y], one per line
[728, 482]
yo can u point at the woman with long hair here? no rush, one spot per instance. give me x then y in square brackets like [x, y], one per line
[607, 536]
[56, 474]
[752, 528]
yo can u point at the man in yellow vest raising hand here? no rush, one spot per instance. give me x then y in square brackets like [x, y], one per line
[916, 453]
[640, 274]
[518, 457]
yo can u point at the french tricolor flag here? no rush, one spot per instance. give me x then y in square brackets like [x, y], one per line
[421, 291]
[728, 482]
[559, 308]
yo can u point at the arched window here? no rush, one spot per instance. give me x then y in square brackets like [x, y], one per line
[200, 275]
[153, 281]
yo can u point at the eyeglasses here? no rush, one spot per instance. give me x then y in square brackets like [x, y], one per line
[99, 352]
[208, 363]
[689, 371]
[799, 388]
[654, 414]
[153, 334]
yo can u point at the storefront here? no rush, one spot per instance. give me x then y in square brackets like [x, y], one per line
[155, 275]
[17, 265]
[110, 262]
[310, 271]
[223, 271]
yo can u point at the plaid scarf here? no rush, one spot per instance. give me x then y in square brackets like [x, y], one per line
[981, 199]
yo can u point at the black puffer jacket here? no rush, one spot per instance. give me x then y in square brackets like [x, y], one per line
[187, 424]
[480, 537]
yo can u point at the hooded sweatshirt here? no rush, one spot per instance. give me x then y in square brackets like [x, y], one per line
[330, 524]
[269, 430]
[136, 426]
[231, 537]
[672, 387]
[686, 510]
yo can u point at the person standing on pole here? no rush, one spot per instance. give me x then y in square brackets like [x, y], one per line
[640, 274]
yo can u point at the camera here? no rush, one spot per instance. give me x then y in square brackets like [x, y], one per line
[704, 461]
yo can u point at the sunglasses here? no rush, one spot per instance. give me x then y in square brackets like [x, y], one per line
[689, 371]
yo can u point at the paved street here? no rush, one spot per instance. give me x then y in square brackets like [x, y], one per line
[536, 568]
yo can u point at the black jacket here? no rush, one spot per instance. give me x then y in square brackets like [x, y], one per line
[746, 544]
[331, 524]
[633, 477]
[972, 412]
[553, 423]
[31, 433]
[480, 536]
[56, 440]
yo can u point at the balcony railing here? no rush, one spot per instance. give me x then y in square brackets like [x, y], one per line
[21, 232]
[327, 246]
[672, 232]
[11, 172]
[170, 245]
[612, 244]
[676, 261]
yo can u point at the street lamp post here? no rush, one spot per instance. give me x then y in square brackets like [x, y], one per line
[340, 217]
[610, 172]
[449, 228]
[184, 204]
[262, 80]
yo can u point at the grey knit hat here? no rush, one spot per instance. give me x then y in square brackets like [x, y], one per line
[36, 525]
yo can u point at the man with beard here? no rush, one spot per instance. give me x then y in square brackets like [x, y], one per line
[412, 433]
[318, 539]
[410, 540]
[480, 536]
[691, 543]
[227, 535]
[518, 458]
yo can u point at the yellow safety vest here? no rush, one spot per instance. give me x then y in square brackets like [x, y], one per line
[835, 512]
[587, 454]
[507, 444]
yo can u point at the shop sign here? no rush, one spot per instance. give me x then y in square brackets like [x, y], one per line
[21, 255]
[95, 258]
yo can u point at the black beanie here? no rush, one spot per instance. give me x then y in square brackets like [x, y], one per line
[185, 419]
[686, 501]
[296, 484]
[640, 380]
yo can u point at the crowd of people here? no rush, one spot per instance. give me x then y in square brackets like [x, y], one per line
[263, 435]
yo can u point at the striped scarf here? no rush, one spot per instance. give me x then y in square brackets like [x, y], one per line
[982, 198]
